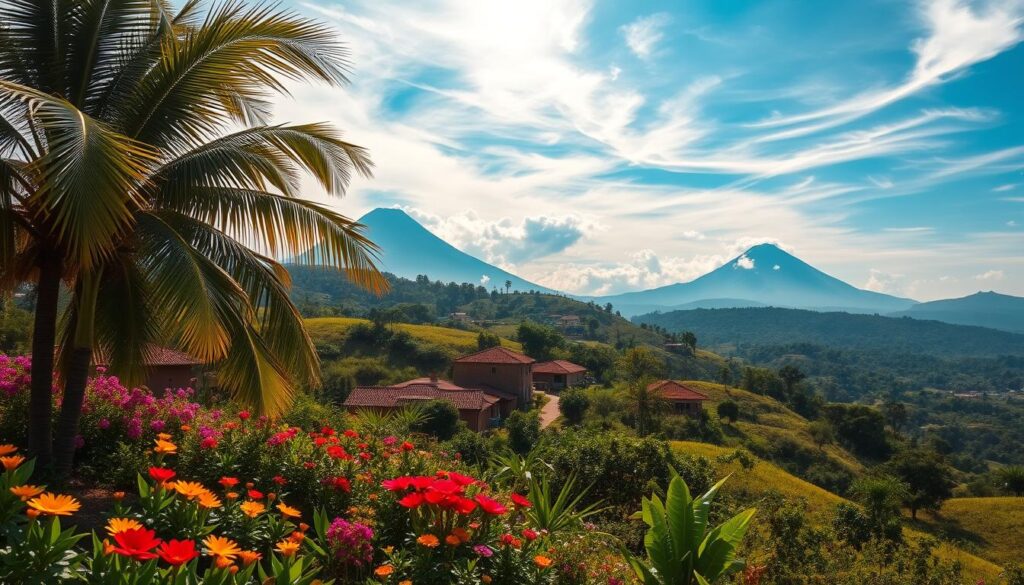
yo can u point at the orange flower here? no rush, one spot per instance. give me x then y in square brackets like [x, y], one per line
[165, 447]
[7, 449]
[252, 509]
[208, 500]
[117, 525]
[542, 561]
[287, 547]
[231, 495]
[297, 536]
[428, 540]
[185, 428]
[163, 436]
[289, 512]
[118, 496]
[406, 582]
[384, 571]
[12, 461]
[56, 505]
[221, 547]
[485, 579]
[190, 489]
[223, 562]
[461, 533]
[452, 540]
[32, 513]
[249, 557]
[27, 491]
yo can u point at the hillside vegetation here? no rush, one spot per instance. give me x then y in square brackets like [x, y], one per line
[992, 528]
[334, 330]
[766, 326]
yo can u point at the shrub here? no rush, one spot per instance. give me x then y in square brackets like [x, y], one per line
[573, 405]
[523, 430]
[471, 446]
[728, 410]
[440, 419]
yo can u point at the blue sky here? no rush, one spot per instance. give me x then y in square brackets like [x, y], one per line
[599, 147]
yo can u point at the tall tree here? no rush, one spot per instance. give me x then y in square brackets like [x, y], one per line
[139, 167]
[640, 367]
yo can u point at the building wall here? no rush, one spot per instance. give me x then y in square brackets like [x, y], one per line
[159, 378]
[688, 407]
[513, 378]
[558, 381]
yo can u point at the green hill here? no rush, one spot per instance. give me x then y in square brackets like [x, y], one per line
[334, 330]
[992, 528]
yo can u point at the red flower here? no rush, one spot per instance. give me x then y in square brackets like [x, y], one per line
[244, 415]
[521, 502]
[327, 431]
[208, 443]
[411, 500]
[341, 483]
[309, 465]
[351, 434]
[136, 543]
[177, 552]
[490, 505]
[529, 535]
[279, 480]
[228, 482]
[256, 494]
[365, 456]
[320, 441]
[407, 446]
[161, 474]
[509, 540]
[337, 452]
[464, 506]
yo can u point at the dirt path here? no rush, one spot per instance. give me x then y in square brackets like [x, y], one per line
[550, 412]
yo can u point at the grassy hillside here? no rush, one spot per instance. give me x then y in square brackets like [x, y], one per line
[333, 329]
[750, 484]
[992, 528]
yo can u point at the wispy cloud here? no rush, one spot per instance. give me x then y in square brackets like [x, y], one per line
[643, 34]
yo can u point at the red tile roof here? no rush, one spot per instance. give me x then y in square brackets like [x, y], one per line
[393, 396]
[558, 367]
[426, 381]
[672, 390]
[495, 355]
[155, 355]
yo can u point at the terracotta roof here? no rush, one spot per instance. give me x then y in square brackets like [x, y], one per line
[672, 390]
[426, 381]
[156, 355]
[558, 367]
[392, 396]
[498, 392]
[495, 355]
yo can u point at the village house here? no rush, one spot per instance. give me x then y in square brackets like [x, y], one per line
[684, 400]
[165, 368]
[499, 370]
[558, 375]
[477, 408]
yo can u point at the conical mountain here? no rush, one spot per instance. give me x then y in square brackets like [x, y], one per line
[763, 275]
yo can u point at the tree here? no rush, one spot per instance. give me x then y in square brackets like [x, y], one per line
[508, 286]
[895, 414]
[592, 326]
[439, 418]
[725, 375]
[791, 376]
[681, 549]
[523, 430]
[640, 367]
[821, 433]
[573, 405]
[1012, 478]
[928, 479]
[136, 161]
[487, 340]
[539, 341]
[689, 339]
[881, 497]
[728, 409]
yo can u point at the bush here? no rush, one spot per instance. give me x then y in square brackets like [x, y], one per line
[440, 419]
[728, 410]
[573, 405]
[523, 430]
[471, 446]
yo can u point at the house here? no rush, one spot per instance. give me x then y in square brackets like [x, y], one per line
[684, 400]
[499, 371]
[165, 368]
[476, 407]
[460, 318]
[558, 375]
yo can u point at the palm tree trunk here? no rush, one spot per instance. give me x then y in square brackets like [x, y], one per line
[40, 406]
[77, 375]
[70, 411]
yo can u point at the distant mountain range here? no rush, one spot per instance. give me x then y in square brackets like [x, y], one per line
[763, 276]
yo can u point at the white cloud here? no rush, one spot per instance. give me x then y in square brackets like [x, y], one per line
[744, 263]
[991, 275]
[1011, 223]
[776, 267]
[484, 279]
[885, 282]
[644, 33]
[1004, 188]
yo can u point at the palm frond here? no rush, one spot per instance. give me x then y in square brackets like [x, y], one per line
[126, 324]
[89, 178]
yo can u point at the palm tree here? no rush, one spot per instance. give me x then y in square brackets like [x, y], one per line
[640, 367]
[508, 286]
[124, 173]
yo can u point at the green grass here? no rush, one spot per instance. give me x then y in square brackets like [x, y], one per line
[332, 329]
[993, 528]
[977, 561]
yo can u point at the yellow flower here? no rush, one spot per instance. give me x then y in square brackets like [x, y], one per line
[7, 449]
[27, 491]
[221, 547]
[190, 489]
[542, 561]
[165, 447]
[287, 547]
[428, 540]
[57, 505]
[12, 461]
[252, 509]
[289, 512]
[208, 500]
[118, 525]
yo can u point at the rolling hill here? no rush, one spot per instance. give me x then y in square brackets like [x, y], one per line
[763, 275]
[983, 309]
[766, 326]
